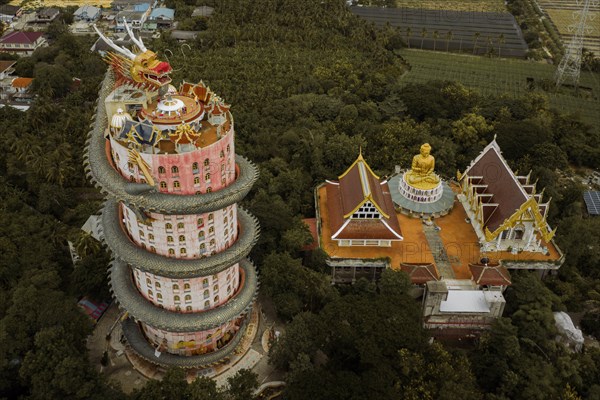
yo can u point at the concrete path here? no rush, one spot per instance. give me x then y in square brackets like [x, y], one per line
[436, 246]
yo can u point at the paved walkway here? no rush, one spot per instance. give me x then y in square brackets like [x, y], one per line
[436, 246]
[122, 374]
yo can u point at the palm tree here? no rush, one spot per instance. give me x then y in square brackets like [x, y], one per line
[490, 46]
[449, 36]
[86, 244]
[501, 41]
[423, 36]
[476, 36]
[408, 34]
[435, 36]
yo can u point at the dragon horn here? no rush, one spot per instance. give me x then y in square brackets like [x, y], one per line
[122, 50]
[137, 41]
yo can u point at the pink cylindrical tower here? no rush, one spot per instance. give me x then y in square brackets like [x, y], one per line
[166, 158]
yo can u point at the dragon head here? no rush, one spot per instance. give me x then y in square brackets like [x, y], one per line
[142, 68]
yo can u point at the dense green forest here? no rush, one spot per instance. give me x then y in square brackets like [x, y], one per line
[309, 85]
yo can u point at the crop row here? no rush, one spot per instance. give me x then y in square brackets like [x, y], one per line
[511, 77]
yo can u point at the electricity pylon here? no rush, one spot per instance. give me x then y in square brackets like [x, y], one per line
[570, 65]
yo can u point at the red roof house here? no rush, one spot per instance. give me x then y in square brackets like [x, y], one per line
[20, 42]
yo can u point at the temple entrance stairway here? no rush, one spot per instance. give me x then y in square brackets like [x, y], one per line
[436, 246]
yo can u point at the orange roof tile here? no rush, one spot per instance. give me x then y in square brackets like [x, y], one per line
[21, 83]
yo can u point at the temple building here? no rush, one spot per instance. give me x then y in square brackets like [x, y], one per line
[166, 158]
[505, 210]
[459, 238]
[360, 208]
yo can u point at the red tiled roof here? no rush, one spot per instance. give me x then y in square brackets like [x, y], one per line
[311, 223]
[371, 229]
[4, 65]
[420, 273]
[501, 182]
[21, 83]
[20, 37]
[494, 275]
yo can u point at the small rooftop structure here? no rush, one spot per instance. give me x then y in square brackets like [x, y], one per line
[9, 12]
[592, 202]
[21, 83]
[87, 13]
[6, 68]
[490, 275]
[46, 15]
[184, 35]
[162, 13]
[420, 274]
[203, 11]
[465, 301]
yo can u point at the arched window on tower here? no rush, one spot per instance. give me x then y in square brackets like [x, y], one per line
[188, 298]
[210, 217]
[159, 296]
[222, 154]
[148, 282]
[195, 168]
[201, 235]
[168, 226]
[186, 286]
[207, 304]
[206, 162]
[162, 170]
[169, 239]
[211, 230]
[171, 252]
[183, 251]
[188, 308]
[157, 285]
[205, 283]
[206, 294]
[176, 298]
[181, 238]
[175, 287]
[207, 177]
[180, 225]
[196, 180]
[174, 170]
[208, 189]
[176, 185]
[216, 299]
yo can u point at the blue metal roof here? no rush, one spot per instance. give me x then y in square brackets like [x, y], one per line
[162, 12]
[141, 7]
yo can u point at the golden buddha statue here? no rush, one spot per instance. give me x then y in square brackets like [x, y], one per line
[421, 175]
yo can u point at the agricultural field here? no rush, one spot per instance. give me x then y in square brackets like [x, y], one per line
[454, 5]
[448, 30]
[67, 3]
[561, 13]
[493, 76]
